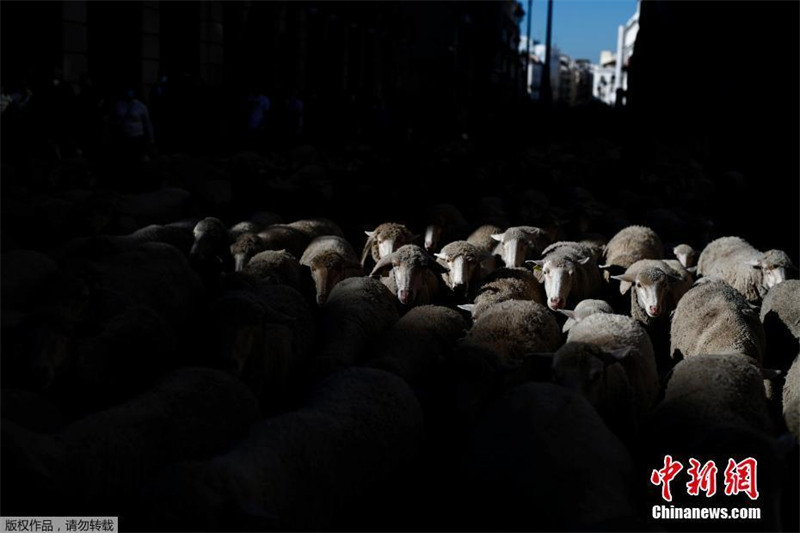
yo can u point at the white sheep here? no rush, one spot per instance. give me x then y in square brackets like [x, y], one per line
[444, 224]
[569, 274]
[413, 277]
[686, 255]
[621, 339]
[657, 288]
[631, 244]
[520, 243]
[542, 459]
[331, 259]
[482, 239]
[384, 240]
[514, 329]
[505, 284]
[358, 432]
[716, 388]
[463, 262]
[746, 269]
[584, 308]
[713, 317]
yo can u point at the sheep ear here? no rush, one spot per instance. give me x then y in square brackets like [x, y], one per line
[467, 307]
[369, 233]
[567, 312]
[691, 270]
[625, 282]
[384, 264]
[770, 373]
[755, 263]
[584, 260]
[441, 256]
[498, 236]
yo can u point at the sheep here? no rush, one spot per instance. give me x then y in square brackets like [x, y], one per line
[283, 237]
[278, 265]
[317, 227]
[244, 248]
[482, 239]
[445, 223]
[331, 259]
[780, 314]
[746, 269]
[505, 284]
[357, 311]
[528, 455]
[520, 243]
[716, 388]
[463, 261]
[514, 329]
[569, 274]
[419, 344]
[686, 255]
[620, 338]
[713, 317]
[413, 274]
[210, 239]
[584, 308]
[384, 240]
[657, 288]
[791, 398]
[630, 245]
[308, 469]
[96, 464]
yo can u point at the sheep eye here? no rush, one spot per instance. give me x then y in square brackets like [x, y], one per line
[546, 271]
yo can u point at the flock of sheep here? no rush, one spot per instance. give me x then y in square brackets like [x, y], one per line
[468, 369]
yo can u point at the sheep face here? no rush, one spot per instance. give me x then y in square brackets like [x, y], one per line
[409, 280]
[433, 232]
[461, 271]
[686, 255]
[515, 243]
[652, 287]
[773, 265]
[557, 278]
[773, 276]
[326, 277]
[210, 235]
[408, 265]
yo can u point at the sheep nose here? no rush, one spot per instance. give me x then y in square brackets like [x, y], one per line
[404, 295]
[556, 303]
[428, 245]
[321, 299]
[654, 310]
